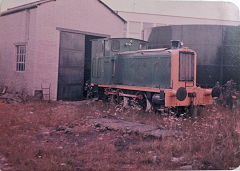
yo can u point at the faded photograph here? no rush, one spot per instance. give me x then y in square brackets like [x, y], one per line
[119, 85]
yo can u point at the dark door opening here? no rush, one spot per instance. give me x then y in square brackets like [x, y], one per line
[88, 54]
[71, 66]
[74, 65]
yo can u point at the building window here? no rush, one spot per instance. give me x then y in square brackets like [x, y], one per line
[186, 66]
[21, 57]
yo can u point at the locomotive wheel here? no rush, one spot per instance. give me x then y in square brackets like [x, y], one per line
[105, 97]
[101, 95]
[117, 99]
[143, 103]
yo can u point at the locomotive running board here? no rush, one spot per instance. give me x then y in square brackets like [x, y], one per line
[147, 89]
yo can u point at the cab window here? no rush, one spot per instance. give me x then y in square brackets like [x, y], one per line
[186, 66]
[115, 45]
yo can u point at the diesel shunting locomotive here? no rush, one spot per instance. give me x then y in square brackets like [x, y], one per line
[163, 78]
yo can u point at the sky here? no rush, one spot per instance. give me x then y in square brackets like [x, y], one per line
[237, 2]
[11, 3]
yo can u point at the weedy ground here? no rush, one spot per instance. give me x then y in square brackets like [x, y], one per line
[59, 136]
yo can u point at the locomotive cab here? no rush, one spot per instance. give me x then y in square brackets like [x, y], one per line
[105, 53]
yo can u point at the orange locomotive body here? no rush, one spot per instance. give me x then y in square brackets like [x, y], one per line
[185, 92]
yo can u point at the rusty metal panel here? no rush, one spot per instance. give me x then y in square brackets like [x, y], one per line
[71, 66]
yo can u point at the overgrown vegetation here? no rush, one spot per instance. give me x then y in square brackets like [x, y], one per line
[58, 136]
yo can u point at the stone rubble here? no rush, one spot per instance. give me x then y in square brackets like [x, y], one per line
[131, 127]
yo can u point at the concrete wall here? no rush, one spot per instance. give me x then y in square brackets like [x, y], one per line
[43, 45]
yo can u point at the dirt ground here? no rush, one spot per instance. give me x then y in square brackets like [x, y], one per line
[59, 136]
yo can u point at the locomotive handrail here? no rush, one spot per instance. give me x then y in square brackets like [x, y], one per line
[148, 50]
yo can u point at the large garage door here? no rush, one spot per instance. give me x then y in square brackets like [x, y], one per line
[71, 66]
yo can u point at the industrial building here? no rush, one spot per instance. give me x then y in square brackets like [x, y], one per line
[47, 44]
[142, 15]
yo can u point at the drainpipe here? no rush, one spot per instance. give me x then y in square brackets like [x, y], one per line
[27, 25]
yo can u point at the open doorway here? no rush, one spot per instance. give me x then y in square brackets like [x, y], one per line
[74, 64]
[88, 54]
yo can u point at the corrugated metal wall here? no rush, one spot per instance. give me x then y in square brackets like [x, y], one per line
[217, 46]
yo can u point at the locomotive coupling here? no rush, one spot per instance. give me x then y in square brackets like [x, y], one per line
[192, 95]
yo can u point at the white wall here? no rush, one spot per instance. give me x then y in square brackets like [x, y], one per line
[43, 45]
[81, 15]
[14, 29]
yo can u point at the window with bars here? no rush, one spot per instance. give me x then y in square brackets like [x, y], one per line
[21, 57]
